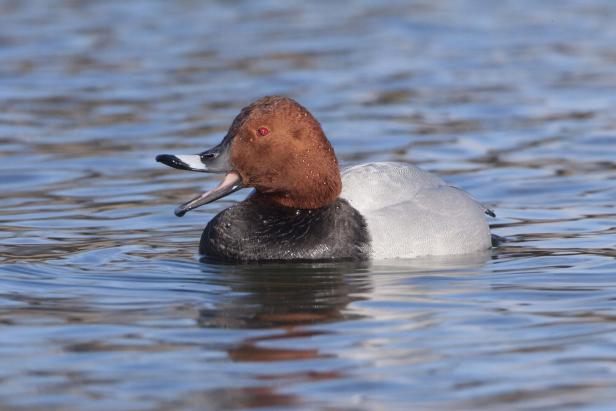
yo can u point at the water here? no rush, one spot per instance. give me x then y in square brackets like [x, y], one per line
[105, 305]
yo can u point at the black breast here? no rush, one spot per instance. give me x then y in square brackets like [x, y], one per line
[252, 231]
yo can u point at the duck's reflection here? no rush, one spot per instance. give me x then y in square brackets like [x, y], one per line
[289, 297]
[285, 295]
[284, 298]
[287, 308]
[286, 301]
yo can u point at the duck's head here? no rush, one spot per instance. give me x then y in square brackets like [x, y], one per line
[275, 146]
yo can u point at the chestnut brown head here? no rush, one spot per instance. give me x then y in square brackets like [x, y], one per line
[276, 146]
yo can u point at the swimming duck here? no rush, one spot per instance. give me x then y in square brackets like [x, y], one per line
[304, 208]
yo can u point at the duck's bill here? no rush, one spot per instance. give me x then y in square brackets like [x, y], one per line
[183, 162]
[230, 184]
[214, 160]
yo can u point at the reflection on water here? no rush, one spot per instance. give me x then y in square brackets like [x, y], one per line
[260, 295]
[104, 303]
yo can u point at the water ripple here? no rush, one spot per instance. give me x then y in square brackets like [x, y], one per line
[105, 304]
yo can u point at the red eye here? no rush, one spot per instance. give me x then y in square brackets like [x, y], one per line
[263, 131]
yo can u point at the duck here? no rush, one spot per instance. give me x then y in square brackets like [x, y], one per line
[304, 208]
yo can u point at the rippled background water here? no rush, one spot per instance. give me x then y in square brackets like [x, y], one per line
[105, 305]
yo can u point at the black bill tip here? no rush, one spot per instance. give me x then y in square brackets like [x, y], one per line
[172, 161]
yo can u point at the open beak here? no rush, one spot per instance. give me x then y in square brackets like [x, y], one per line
[230, 184]
[214, 160]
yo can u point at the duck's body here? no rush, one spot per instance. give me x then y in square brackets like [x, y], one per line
[410, 212]
[304, 209]
[256, 231]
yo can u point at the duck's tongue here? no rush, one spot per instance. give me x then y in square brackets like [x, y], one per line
[230, 184]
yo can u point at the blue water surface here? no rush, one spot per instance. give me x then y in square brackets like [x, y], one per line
[104, 303]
